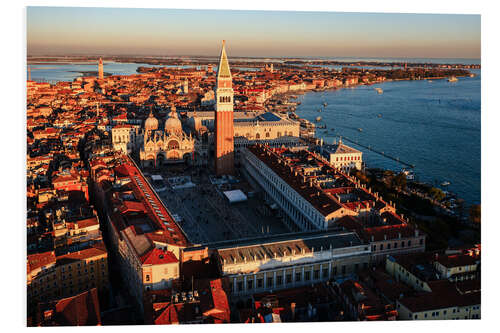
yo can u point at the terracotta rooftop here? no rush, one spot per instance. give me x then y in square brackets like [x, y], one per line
[79, 310]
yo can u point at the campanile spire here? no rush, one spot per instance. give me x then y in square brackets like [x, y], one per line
[224, 131]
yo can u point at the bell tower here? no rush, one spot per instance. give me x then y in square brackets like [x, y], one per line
[101, 69]
[224, 131]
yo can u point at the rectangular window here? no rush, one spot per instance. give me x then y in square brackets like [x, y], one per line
[240, 286]
[288, 278]
[325, 273]
[395, 245]
[298, 276]
[249, 284]
[316, 274]
[279, 280]
[259, 283]
[307, 275]
[270, 282]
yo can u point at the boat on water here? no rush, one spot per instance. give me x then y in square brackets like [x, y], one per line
[452, 79]
[360, 129]
[322, 126]
[410, 175]
[472, 75]
[325, 104]
[379, 115]
[379, 90]
[319, 110]
[318, 119]
[429, 81]
[445, 183]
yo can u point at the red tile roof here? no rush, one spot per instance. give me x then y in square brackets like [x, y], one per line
[158, 257]
[79, 310]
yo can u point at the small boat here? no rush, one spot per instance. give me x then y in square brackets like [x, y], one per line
[452, 79]
[319, 110]
[318, 119]
[360, 129]
[379, 90]
[325, 104]
[429, 81]
[445, 183]
[379, 115]
[409, 174]
[472, 75]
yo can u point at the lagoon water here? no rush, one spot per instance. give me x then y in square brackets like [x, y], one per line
[53, 72]
[435, 126]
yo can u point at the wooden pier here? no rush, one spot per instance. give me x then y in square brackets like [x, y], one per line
[409, 165]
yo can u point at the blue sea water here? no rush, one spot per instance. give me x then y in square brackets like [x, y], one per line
[435, 126]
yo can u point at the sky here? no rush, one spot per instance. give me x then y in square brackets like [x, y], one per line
[168, 32]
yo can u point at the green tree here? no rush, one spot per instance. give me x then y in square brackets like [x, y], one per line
[400, 180]
[437, 194]
[475, 214]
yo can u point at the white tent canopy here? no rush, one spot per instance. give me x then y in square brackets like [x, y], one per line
[156, 177]
[235, 196]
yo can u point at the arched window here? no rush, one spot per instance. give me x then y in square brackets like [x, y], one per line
[279, 134]
[257, 136]
[267, 134]
[173, 145]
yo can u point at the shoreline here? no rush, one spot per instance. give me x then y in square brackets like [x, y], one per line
[289, 95]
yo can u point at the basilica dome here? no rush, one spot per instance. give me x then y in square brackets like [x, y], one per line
[151, 123]
[173, 124]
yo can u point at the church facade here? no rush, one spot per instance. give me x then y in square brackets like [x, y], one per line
[168, 145]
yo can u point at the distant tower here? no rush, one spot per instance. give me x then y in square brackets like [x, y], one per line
[185, 87]
[29, 73]
[272, 68]
[101, 70]
[224, 131]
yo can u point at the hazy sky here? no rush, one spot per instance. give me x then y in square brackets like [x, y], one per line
[124, 31]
